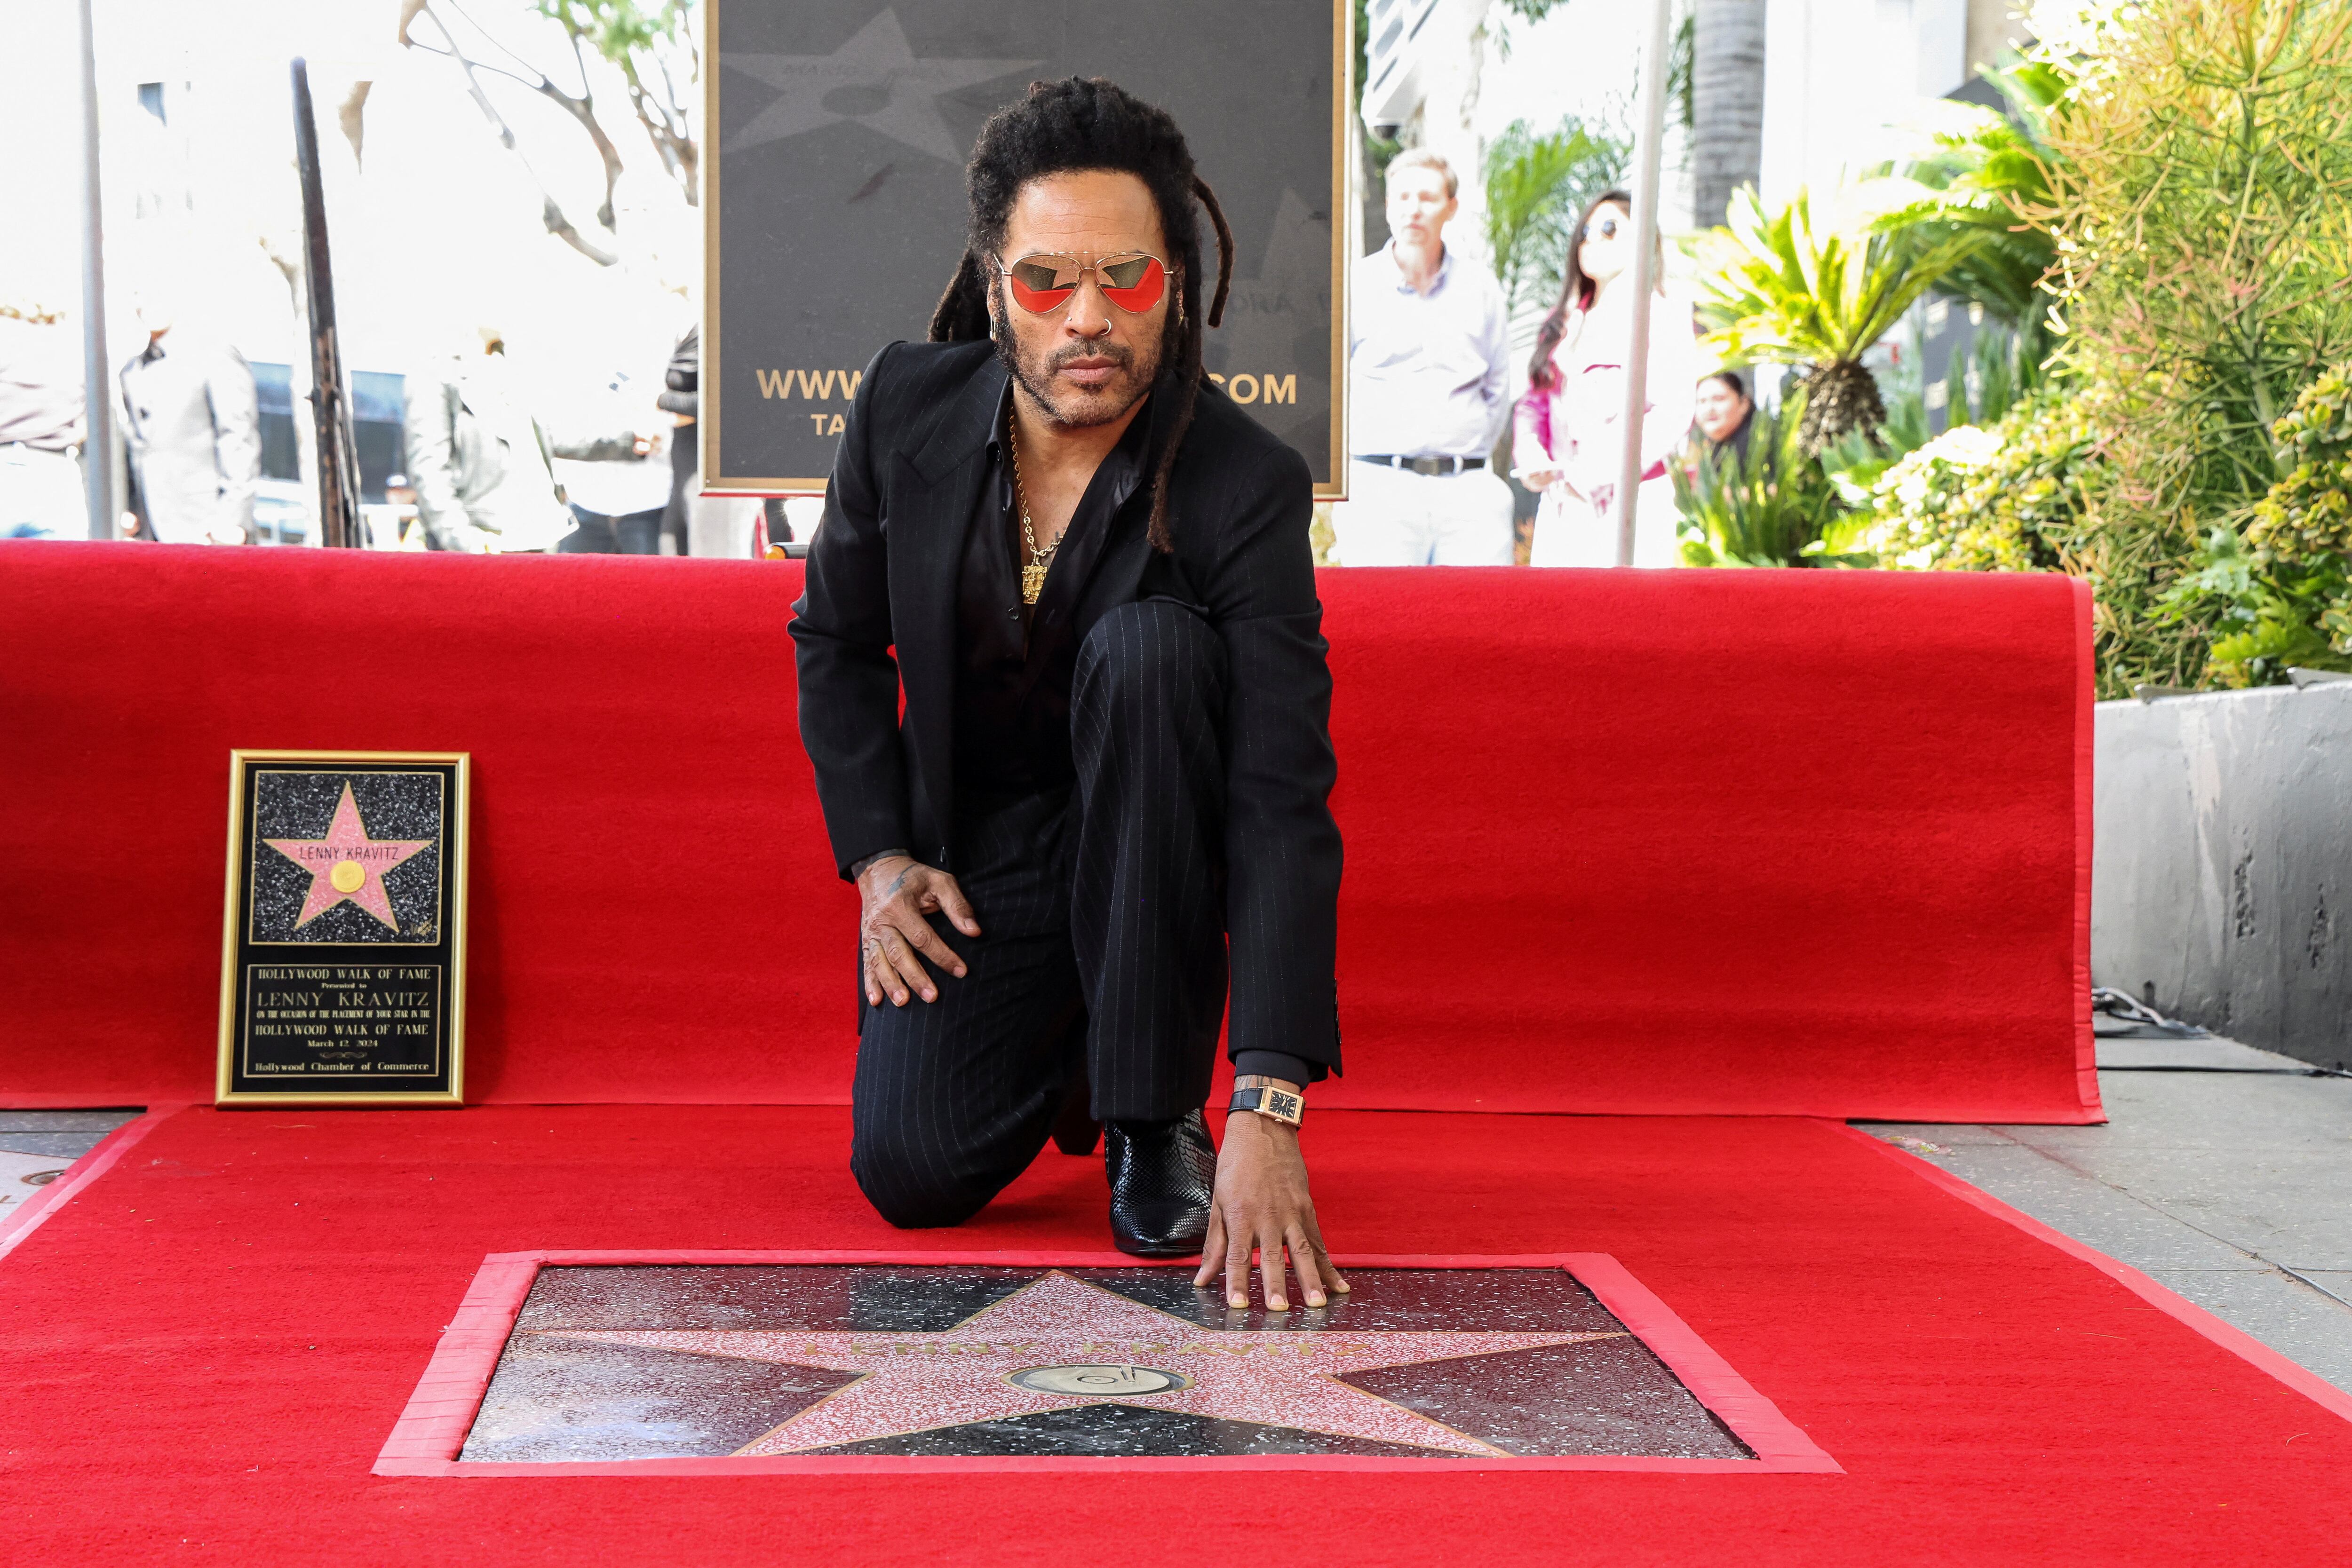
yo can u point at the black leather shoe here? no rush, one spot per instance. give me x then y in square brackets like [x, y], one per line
[1162, 1174]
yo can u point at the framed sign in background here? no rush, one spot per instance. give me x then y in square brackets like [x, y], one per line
[834, 205]
[343, 960]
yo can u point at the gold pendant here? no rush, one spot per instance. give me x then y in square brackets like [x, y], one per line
[1032, 580]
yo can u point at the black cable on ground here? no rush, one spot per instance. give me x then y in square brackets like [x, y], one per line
[2275, 1071]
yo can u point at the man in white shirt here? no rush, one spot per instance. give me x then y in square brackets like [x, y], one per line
[1428, 357]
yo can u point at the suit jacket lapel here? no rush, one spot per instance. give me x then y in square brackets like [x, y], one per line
[928, 516]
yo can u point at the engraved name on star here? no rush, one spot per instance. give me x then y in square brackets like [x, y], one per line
[1057, 1332]
[874, 79]
[347, 865]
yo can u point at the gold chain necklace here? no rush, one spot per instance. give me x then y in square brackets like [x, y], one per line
[1040, 562]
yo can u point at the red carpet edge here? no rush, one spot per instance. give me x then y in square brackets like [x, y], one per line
[2236, 1341]
[34, 1211]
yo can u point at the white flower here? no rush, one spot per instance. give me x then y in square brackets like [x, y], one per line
[1963, 446]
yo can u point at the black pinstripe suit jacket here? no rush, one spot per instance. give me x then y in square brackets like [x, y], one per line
[879, 617]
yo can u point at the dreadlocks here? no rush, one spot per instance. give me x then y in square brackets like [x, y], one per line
[1087, 124]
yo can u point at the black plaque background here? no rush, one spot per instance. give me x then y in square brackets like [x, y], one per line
[423, 892]
[835, 238]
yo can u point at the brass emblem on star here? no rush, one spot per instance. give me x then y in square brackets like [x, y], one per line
[1099, 1382]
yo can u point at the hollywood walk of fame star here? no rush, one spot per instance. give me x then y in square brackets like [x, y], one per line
[1024, 1354]
[874, 79]
[347, 865]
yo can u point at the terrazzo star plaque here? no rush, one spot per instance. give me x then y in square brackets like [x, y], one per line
[844, 1361]
[343, 957]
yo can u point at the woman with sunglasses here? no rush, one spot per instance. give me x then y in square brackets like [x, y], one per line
[1568, 442]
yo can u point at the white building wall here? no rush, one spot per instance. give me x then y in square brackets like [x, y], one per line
[1841, 78]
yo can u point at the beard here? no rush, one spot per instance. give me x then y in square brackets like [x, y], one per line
[1035, 375]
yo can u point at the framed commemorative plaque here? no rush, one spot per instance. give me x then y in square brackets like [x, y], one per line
[833, 197]
[343, 957]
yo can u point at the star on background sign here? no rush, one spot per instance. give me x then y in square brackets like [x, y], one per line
[347, 863]
[1059, 1343]
[874, 79]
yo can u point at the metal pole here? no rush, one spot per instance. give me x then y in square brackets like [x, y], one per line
[98, 371]
[339, 469]
[1647, 151]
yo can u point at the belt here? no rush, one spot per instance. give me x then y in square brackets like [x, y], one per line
[1422, 465]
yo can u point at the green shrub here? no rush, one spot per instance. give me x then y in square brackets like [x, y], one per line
[2306, 521]
[2201, 199]
[2006, 497]
[2285, 582]
[1819, 288]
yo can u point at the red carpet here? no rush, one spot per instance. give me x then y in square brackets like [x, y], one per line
[1732, 841]
[209, 1344]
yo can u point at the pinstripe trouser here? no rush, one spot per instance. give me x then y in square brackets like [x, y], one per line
[1102, 944]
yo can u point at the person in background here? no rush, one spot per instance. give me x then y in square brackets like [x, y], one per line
[681, 399]
[614, 467]
[40, 428]
[1725, 414]
[1569, 441]
[192, 421]
[477, 460]
[1428, 369]
[702, 525]
[408, 528]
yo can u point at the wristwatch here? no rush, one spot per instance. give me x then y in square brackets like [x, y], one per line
[1281, 1106]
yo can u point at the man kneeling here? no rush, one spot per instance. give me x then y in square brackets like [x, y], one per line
[1112, 766]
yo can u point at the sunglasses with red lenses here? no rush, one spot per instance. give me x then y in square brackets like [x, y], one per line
[1044, 283]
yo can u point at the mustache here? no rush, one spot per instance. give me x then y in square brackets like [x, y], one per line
[1121, 352]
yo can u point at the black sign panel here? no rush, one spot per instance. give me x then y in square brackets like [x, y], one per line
[343, 961]
[836, 132]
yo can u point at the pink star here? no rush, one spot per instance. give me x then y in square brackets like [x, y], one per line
[347, 863]
[1035, 1350]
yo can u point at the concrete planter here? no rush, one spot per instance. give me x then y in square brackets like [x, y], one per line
[2221, 868]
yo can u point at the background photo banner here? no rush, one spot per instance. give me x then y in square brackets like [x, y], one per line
[834, 197]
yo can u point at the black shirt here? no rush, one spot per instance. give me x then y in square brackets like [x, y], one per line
[1015, 662]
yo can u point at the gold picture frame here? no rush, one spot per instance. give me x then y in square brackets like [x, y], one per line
[413, 980]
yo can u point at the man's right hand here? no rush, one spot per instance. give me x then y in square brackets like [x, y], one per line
[894, 892]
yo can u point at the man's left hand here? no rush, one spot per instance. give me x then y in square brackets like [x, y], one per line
[1261, 1201]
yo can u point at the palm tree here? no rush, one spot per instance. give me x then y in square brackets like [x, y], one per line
[1535, 187]
[1993, 177]
[1726, 104]
[1782, 288]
